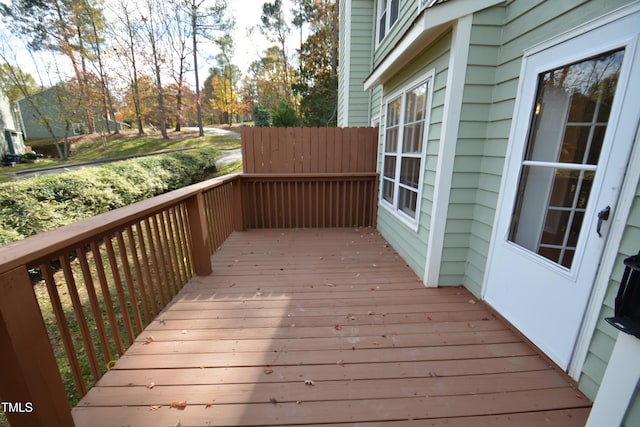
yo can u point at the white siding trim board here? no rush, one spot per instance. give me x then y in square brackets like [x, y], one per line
[456, 76]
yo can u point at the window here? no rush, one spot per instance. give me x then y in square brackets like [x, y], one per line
[571, 116]
[387, 16]
[404, 148]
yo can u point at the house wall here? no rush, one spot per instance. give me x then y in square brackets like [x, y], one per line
[525, 24]
[356, 54]
[6, 122]
[411, 244]
[605, 335]
[464, 254]
[407, 13]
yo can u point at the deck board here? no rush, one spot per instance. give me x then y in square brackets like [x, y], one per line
[339, 308]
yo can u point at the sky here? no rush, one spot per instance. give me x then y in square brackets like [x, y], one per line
[249, 46]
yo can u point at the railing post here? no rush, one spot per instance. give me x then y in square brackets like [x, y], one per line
[199, 235]
[31, 389]
[238, 212]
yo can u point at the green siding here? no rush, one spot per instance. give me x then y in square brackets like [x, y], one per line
[605, 335]
[356, 44]
[406, 15]
[528, 23]
[412, 245]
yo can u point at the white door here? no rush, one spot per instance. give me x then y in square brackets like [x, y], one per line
[571, 138]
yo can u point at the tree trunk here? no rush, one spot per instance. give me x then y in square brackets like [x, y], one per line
[194, 29]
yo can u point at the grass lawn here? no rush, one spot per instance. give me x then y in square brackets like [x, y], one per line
[99, 147]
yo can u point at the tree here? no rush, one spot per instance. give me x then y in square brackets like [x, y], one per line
[205, 22]
[267, 79]
[178, 25]
[317, 82]
[15, 83]
[226, 88]
[126, 36]
[154, 34]
[275, 28]
[60, 26]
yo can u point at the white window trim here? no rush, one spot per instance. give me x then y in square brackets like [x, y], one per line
[387, 26]
[412, 223]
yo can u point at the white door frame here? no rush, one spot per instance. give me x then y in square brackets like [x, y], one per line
[620, 215]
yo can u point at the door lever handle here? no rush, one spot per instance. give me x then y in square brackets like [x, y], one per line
[603, 215]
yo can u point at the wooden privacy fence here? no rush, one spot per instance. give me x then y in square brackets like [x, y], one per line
[106, 278]
[309, 150]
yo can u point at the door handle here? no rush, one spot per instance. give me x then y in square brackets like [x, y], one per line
[603, 215]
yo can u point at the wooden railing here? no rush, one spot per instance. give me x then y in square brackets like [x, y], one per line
[115, 272]
[309, 200]
[107, 277]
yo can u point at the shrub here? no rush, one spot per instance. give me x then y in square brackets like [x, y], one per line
[43, 203]
[284, 115]
[261, 116]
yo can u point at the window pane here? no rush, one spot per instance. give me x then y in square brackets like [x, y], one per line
[390, 167]
[415, 103]
[393, 125]
[408, 202]
[412, 139]
[393, 112]
[382, 26]
[391, 140]
[579, 93]
[410, 171]
[393, 13]
[387, 190]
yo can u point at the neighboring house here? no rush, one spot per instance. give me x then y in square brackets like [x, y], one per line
[10, 139]
[506, 128]
[56, 106]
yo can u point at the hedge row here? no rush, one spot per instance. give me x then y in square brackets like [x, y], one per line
[43, 203]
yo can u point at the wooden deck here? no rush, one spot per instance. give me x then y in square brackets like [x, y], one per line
[327, 327]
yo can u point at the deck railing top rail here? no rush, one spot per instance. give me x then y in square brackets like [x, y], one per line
[34, 248]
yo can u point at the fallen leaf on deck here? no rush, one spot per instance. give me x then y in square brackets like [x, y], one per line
[337, 327]
[340, 363]
[184, 331]
[331, 285]
[111, 364]
[309, 382]
[273, 400]
[376, 343]
[268, 371]
[151, 385]
[177, 404]
[472, 301]
[208, 405]
[148, 340]
[429, 318]
[351, 317]
[579, 396]
[155, 408]
[298, 402]
[371, 313]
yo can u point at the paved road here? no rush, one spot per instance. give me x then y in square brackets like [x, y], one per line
[227, 157]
